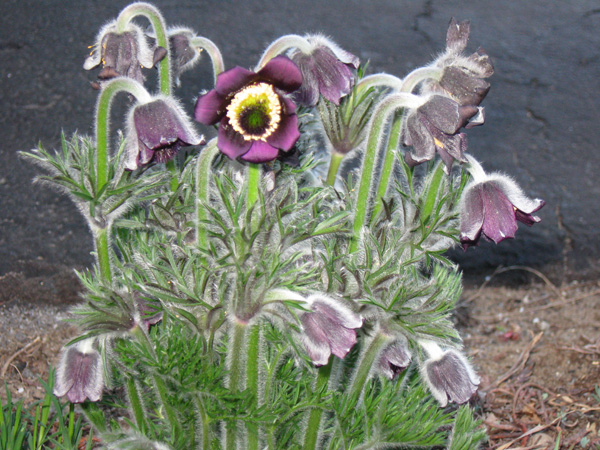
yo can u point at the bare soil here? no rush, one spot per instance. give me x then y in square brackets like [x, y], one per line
[536, 348]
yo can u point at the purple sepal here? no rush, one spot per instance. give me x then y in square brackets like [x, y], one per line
[394, 359]
[450, 378]
[80, 375]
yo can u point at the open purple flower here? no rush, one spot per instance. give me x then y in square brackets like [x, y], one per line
[327, 70]
[80, 374]
[491, 206]
[256, 120]
[156, 131]
[435, 126]
[328, 328]
[120, 54]
[394, 359]
[450, 377]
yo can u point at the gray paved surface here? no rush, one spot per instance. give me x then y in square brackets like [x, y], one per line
[543, 110]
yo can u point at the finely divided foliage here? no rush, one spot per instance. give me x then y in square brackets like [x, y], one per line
[238, 299]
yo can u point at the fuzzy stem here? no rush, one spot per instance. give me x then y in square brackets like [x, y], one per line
[205, 423]
[252, 379]
[380, 115]
[380, 80]
[334, 166]
[213, 52]
[110, 89]
[388, 162]
[413, 79]
[314, 420]
[159, 383]
[203, 174]
[235, 357]
[253, 183]
[136, 405]
[160, 31]
[102, 252]
[364, 367]
[281, 45]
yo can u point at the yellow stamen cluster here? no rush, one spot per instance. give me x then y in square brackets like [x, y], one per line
[261, 97]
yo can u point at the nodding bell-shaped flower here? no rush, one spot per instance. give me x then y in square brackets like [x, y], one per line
[256, 120]
[448, 375]
[157, 129]
[183, 54]
[328, 328]
[491, 205]
[120, 54]
[80, 374]
[326, 68]
[434, 127]
[394, 359]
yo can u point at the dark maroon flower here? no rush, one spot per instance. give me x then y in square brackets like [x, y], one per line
[327, 70]
[80, 374]
[450, 377]
[255, 119]
[328, 328]
[156, 131]
[120, 54]
[491, 207]
[394, 359]
[434, 126]
[183, 54]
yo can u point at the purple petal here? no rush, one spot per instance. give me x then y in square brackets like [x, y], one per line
[336, 312]
[445, 114]
[466, 88]
[482, 60]
[334, 77]
[451, 379]
[233, 79]
[210, 108]
[457, 35]
[79, 375]
[286, 134]
[419, 137]
[282, 73]
[499, 221]
[260, 152]
[230, 142]
[342, 341]
[471, 215]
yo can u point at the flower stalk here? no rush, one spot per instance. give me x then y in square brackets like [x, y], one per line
[313, 426]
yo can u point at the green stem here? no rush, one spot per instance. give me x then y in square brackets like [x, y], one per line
[172, 168]
[136, 405]
[388, 162]
[368, 357]
[334, 166]
[314, 419]
[203, 174]
[387, 105]
[102, 253]
[253, 183]
[71, 420]
[213, 51]
[105, 98]
[205, 423]
[282, 44]
[160, 31]
[235, 357]
[252, 367]
[159, 383]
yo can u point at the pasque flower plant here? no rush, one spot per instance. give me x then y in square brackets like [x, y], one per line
[240, 301]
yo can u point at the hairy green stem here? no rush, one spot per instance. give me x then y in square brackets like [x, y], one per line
[160, 31]
[136, 405]
[102, 252]
[252, 368]
[365, 364]
[203, 175]
[205, 423]
[314, 419]
[213, 51]
[235, 358]
[388, 162]
[281, 45]
[384, 108]
[334, 166]
[253, 183]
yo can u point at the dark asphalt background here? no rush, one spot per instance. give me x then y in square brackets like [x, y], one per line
[542, 124]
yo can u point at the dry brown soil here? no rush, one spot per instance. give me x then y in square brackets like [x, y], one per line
[536, 348]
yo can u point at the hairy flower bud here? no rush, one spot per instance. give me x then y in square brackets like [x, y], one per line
[80, 374]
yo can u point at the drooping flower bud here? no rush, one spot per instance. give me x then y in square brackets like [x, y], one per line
[394, 359]
[80, 375]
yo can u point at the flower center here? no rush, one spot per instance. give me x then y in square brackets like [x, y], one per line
[255, 112]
